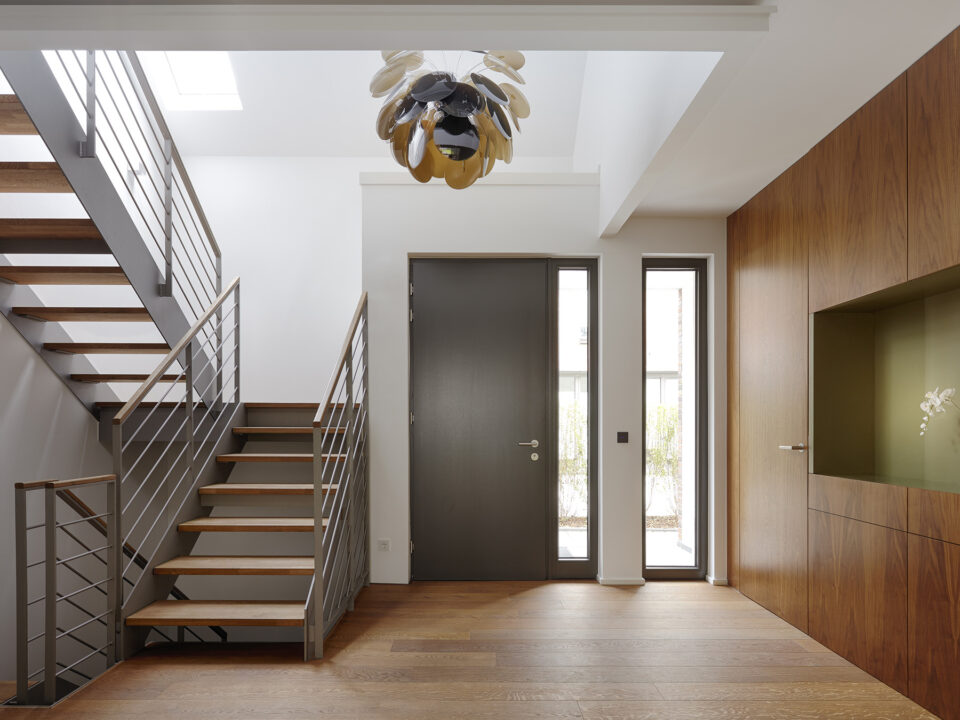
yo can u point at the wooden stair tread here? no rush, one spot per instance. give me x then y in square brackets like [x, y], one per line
[33, 177]
[283, 405]
[59, 275]
[13, 118]
[75, 348]
[236, 565]
[121, 377]
[272, 457]
[250, 430]
[249, 524]
[77, 236]
[84, 314]
[242, 488]
[223, 613]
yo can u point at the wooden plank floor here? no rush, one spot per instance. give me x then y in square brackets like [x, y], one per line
[499, 651]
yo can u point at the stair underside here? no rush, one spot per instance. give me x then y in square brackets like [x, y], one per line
[84, 314]
[236, 565]
[224, 613]
[54, 275]
[108, 348]
[121, 377]
[13, 118]
[276, 458]
[263, 489]
[248, 524]
[277, 430]
[33, 177]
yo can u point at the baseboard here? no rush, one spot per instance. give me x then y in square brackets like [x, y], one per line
[620, 581]
[716, 581]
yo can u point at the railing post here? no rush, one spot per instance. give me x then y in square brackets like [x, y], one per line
[117, 539]
[188, 377]
[111, 531]
[166, 289]
[365, 438]
[50, 597]
[88, 147]
[236, 344]
[318, 588]
[23, 656]
[351, 490]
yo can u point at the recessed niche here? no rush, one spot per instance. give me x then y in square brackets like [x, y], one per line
[872, 361]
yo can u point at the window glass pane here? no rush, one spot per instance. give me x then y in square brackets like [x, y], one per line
[573, 408]
[671, 383]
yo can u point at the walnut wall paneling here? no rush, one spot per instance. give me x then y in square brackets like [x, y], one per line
[857, 225]
[933, 107]
[870, 502]
[934, 625]
[733, 400]
[858, 594]
[935, 515]
[772, 356]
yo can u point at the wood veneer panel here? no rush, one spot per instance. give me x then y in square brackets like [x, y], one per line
[860, 500]
[773, 339]
[858, 221]
[933, 102]
[858, 594]
[934, 625]
[734, 223]
[934, 514]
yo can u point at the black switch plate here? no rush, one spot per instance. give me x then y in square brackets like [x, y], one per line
[623, 437]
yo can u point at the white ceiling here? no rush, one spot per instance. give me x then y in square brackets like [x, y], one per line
[318, 103]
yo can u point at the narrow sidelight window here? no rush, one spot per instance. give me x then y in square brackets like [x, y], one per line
[674, 418]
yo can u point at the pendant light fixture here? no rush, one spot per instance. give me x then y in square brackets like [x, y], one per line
[440, 125]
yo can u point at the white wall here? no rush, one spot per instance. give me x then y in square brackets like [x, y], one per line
[290, 228]
[558, 218]
[45, 434]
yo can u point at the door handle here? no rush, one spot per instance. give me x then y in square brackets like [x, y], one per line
[532, 443]
[799, 448]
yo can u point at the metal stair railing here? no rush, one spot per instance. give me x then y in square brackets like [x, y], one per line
[68, 609]
[163, 447]
[341, 494]
[111, 97]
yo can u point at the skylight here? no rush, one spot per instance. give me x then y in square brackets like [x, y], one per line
[192, 80]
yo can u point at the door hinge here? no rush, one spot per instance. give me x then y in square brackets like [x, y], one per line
[411, 547]
[411, 418]
[411, 288]
[411, 314]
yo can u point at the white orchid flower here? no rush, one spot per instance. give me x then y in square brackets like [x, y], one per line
[934, 403]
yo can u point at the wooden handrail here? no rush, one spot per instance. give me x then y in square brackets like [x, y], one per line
[60, 484]
[35, 485]
[172, 356]
[332, 386]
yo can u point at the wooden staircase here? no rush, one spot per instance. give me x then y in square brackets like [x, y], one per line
[288, 423]
[83, 360]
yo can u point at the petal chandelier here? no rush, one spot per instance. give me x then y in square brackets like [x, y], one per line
[442, 126]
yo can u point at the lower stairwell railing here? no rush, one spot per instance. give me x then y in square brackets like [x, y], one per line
[164, 445]
[77, 571]
[341, 495]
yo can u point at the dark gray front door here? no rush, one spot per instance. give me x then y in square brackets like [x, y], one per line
[479, 384]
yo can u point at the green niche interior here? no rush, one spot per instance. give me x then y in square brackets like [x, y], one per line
[872, 360]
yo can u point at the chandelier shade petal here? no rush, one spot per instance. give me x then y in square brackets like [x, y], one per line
[500, 120]
[464, 101]
[514, 59]
[498, 65]
[408, 109]
[489, 88]
[433, 86]
[386, 79]
[518, 101]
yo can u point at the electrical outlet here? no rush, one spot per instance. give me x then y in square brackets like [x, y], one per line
[383, 545]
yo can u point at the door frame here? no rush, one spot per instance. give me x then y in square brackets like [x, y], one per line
[555, 567]
[700, 266]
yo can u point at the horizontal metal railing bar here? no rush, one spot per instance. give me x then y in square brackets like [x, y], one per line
[91, 586]
[156, 464]
[156, 408]
[83, 554]
[157, 140]
[351, 331]
[171, 357]
[144, 87]
[147, 444]
[101, 650]
[60, 484]
[84, 624]
[189, 256]
[83, 519]
[34, 527]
